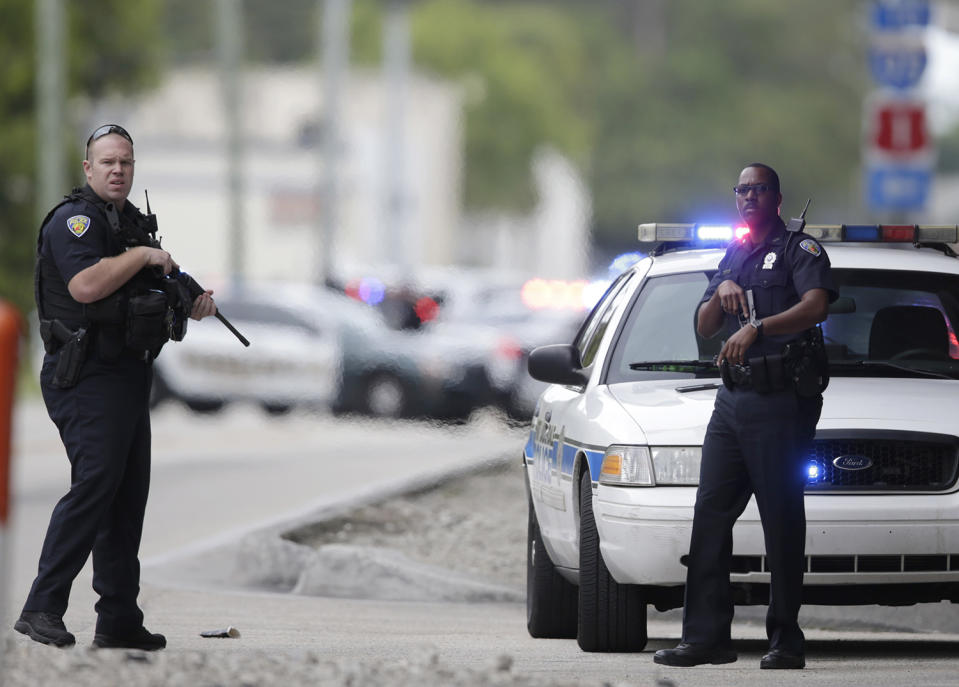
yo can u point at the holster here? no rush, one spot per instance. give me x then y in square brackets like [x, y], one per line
[71, 354]
[808, 364]
[768, 373]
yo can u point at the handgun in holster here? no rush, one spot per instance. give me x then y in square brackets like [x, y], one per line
[71, 354]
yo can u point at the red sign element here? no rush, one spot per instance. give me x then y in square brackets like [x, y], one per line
[9, 344]
[900, 128]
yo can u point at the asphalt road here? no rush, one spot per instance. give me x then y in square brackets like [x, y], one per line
[217, 478]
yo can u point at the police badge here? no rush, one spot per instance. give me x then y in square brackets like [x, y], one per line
[78, 225]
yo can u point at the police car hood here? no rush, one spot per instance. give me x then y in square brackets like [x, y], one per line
[675, 412]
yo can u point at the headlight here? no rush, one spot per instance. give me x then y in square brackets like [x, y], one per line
[627, 466]
[677, 464]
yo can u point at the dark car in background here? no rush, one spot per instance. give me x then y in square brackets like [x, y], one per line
[315, 347]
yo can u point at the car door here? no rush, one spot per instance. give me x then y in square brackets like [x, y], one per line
[560, 430]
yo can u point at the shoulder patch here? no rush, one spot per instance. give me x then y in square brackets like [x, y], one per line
[78, 225]
[811, 247]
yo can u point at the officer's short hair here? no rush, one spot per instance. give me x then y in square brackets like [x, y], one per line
[774, 178]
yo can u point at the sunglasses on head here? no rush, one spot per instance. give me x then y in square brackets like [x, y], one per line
[106, 130]
[744, 189]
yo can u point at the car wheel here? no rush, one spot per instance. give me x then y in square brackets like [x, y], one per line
[551, 600]
[385, 396]
[277, 408]
[612, 616]
[204, 405]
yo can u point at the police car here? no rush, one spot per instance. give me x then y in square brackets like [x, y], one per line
[612, 459]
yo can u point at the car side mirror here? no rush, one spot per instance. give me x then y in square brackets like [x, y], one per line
[557, 364]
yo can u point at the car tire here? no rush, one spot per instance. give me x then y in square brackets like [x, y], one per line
[612, 616]
[385, 396]
[204, 405]
[551, 600]
[276, 408]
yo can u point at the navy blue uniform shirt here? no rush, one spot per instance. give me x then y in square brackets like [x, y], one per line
[779, 271]
[75, 237]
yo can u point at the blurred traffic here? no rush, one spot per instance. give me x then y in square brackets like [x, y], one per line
[439, 347]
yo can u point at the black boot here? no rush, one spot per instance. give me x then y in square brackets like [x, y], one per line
[46, 628]
[141, 638]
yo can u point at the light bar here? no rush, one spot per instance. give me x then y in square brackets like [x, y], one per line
[884, 233]
[827, 233]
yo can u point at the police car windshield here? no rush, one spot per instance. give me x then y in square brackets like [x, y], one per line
[886, 323]
[659, 340]
[905, 319]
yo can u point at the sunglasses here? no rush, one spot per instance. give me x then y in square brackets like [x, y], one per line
[744, 189]
[106, 130]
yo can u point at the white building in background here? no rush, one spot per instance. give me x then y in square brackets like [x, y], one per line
[180, 149]
[181, 160]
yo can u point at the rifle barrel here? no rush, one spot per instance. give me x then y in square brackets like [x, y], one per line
[228, 325]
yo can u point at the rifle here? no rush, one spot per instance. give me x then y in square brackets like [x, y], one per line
[188, 282]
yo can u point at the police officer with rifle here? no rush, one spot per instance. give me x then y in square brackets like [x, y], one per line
[107, 304]
[769, 295]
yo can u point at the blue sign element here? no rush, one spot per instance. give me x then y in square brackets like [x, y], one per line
[897, 67]
[893, 15]
[898, 188]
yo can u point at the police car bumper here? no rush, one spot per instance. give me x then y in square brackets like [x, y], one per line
[850, 540]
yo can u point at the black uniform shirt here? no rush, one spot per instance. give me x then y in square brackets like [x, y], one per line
[779, 271]
[76, 236]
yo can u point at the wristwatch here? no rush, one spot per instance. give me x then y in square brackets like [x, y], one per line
[758, 326]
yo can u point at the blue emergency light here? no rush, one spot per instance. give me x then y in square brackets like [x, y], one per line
[814, 472]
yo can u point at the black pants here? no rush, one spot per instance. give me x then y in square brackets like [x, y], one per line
[104, 422]
[754, 445]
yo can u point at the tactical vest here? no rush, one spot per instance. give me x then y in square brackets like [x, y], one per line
[136, 318]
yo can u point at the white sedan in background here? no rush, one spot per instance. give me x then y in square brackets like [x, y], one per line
[294, 357]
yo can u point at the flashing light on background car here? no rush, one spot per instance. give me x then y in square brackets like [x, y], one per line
[623, 262]
[814, 472]
[557, 294]
[426, 309]
[593, 291]
[369, 290]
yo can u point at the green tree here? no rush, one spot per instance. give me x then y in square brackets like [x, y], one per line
[737, 81]
[111, 45]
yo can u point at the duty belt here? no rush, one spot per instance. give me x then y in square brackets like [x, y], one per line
[764, 374]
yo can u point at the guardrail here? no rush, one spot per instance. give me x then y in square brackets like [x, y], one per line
[9, 345]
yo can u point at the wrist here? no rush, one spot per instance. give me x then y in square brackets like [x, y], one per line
[758, 326]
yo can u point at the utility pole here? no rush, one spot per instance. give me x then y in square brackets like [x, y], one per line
[50, 94]
[396, 71]
[334, 38]
[229, 33]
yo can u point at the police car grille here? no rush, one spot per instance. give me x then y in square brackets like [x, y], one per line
[895, 465]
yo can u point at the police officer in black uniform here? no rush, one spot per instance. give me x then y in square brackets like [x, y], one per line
[104, 314]
[772, 290]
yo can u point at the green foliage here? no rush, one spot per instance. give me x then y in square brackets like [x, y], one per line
[948, 152]
[120, 53]
[522, 65]
[739, 81]
[660, 134]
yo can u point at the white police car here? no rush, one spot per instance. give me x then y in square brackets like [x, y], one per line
[612, 460]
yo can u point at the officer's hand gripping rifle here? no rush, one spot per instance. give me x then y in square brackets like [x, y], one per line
[188, 282]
